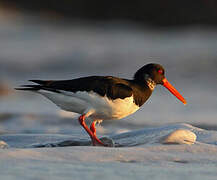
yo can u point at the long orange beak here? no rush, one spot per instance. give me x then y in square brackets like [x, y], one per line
[169, 86]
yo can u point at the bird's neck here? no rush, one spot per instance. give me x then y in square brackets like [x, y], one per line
[150, 82]
[141, 91]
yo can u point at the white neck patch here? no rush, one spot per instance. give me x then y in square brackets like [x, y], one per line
[151, 84]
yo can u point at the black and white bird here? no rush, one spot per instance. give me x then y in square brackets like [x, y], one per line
[103, 97]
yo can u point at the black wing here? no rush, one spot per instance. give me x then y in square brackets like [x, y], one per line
[103, 85]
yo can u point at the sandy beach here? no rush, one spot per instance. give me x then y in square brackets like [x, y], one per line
[150, 159]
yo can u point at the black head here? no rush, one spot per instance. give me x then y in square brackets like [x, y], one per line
[153, 71]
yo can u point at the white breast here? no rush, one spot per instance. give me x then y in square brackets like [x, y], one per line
[122, 107]
[92, 104]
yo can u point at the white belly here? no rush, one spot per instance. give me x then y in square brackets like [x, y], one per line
[92, 104]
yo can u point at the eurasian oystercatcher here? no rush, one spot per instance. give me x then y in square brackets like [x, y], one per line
[103, 97]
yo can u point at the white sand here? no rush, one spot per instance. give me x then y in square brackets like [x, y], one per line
[149, 160]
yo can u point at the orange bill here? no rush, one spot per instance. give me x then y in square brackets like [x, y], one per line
[169, 86]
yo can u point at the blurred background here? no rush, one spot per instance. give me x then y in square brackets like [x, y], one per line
[66, 39]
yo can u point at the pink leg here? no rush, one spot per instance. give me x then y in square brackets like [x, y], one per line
[93, 129]
[92, 132]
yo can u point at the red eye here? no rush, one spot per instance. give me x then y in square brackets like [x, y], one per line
[160, 71]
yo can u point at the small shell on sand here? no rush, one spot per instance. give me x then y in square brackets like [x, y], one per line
[107, 141]
[180, 136]
[3, 145]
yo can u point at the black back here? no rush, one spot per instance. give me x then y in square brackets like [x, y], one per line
[103, 85]
[112, 87]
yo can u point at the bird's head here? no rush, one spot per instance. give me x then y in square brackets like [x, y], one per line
[154, 74]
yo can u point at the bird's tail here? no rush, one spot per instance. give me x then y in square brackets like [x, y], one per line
[42, 85]
[29, 88]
